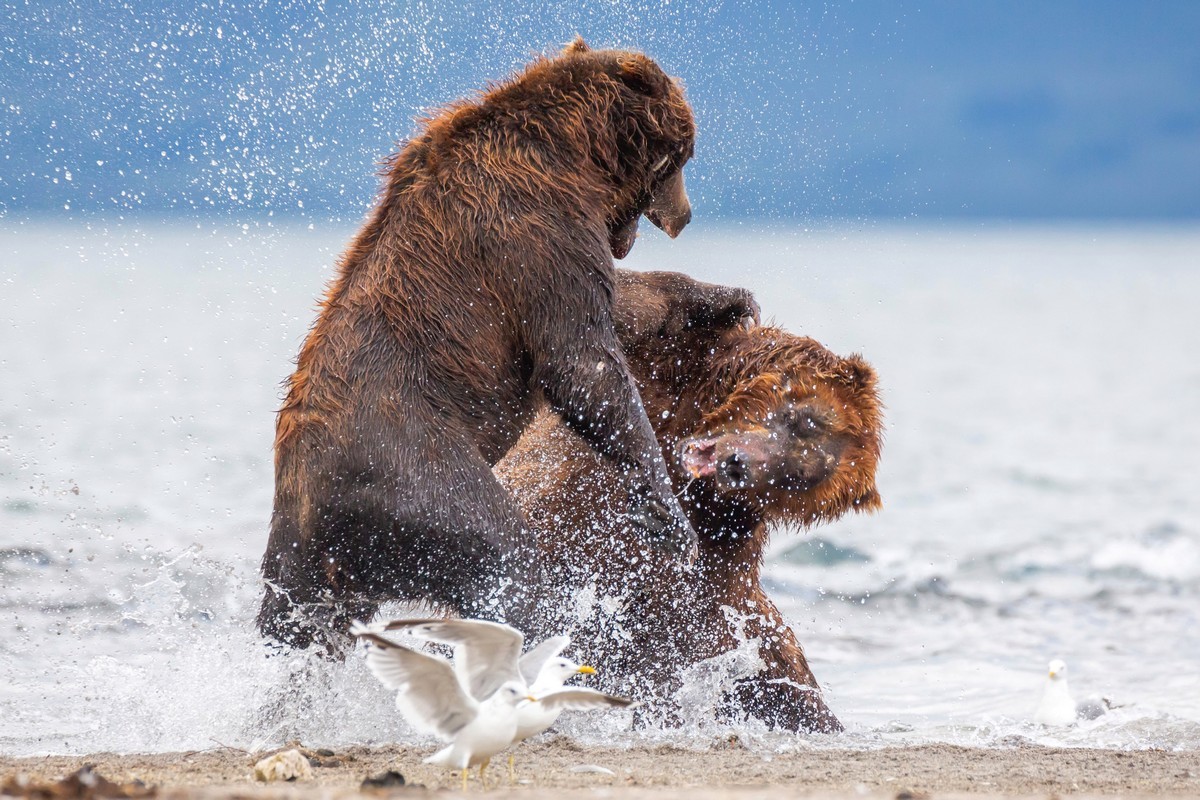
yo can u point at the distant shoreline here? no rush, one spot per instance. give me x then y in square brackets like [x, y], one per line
[559, 767]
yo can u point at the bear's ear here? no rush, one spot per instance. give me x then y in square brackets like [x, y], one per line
[868, 501]
[640, 74]
[577, 45]
[719, 308]
[858, 374]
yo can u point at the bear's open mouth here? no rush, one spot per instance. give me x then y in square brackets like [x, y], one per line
[699, 457]
[620, 241]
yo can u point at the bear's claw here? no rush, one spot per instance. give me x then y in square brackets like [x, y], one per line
[663, 529]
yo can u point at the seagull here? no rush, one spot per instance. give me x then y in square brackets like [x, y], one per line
[1058, 708]
[432, 698]
[489, 653]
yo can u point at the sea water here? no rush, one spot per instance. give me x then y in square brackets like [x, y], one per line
[1039, 480]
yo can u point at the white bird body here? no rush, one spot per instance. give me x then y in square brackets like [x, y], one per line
[533, 718]
[1057, 708]
[491, 731]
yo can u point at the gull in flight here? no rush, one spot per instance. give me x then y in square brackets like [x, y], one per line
[488, 655]
[432, 699]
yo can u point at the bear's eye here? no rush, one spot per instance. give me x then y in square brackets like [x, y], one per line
[803, 421]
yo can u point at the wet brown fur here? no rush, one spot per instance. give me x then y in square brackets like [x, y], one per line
[669, 619]
[481, 283]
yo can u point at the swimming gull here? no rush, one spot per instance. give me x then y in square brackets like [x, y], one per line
[1058, 708]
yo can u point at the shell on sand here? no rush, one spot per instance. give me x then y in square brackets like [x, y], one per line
[288, 765]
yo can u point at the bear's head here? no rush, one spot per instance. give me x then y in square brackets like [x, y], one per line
[659, 315]
[647, 136]
[668, 324]
[798, 433]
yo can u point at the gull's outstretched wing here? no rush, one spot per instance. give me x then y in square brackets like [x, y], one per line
[578, 698]
[531, 663]
[428, 692]
[485, 653]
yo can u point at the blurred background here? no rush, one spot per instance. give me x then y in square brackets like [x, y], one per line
[995, 202]
[935, 110]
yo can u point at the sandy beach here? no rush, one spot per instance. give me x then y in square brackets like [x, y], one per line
[560, 768]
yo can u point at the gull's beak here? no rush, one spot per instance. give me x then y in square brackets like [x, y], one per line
[1053, 673]
[531, 698]
[584, 669]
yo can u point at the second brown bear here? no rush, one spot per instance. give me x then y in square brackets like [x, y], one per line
[759, 427]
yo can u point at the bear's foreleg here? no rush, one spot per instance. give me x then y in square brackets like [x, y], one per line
[785, 693]
[586, 380]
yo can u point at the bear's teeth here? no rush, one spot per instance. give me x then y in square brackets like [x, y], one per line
[699, 458]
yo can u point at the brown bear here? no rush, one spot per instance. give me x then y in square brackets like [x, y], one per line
[481, 284]
[760, 427]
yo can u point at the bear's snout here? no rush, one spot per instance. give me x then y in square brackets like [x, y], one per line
[670, 210]
[734, 470]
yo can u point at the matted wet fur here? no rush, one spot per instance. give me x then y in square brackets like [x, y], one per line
[777, 429]
[481, 283]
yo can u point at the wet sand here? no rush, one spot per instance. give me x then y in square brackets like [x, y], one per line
[560, 768]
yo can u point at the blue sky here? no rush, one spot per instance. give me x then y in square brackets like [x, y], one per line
[934, 110]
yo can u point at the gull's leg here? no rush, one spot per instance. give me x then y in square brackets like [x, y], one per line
[512, 772]
[482, 767]
[466, 772]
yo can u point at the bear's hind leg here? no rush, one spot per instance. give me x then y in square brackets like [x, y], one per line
[456, 540]
[301, 608]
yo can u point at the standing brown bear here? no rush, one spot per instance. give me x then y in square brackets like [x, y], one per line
[760, 427]
[482, 282]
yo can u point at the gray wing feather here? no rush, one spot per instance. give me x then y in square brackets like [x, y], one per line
[485, 653]
[531, 663]
[1092, 707]
[428, 692]
[579, 698]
